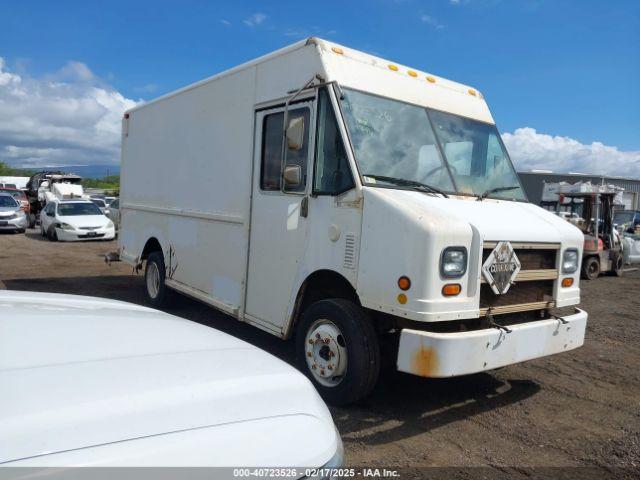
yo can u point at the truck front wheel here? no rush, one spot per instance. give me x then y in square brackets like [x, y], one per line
[338, 349]
[154, 275]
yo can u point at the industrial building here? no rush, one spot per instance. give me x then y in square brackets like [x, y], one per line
[534, 182]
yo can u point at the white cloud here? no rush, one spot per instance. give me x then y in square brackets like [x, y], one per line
[68, 117]
[454, 2]
[74, 72]
[532, 150]
[255, 19]
[431, 21]
[226, 23]
[149, 88]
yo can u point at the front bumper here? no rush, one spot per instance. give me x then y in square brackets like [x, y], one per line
[430, 354]
[13, 224]
[76, 235]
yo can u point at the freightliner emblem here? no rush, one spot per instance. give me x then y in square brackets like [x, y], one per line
[501, 268]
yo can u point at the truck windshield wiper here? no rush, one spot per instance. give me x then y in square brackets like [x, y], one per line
[423, 187]
[486, 193]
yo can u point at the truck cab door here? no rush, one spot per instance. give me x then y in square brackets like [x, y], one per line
[278, 230]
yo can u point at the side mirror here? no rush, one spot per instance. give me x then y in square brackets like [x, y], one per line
[295, 133]
[292, 175]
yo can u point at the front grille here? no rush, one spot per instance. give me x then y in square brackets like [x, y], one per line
[530, 258]
[521, 294]
[98, 235]
[533, 287]
[89, 228]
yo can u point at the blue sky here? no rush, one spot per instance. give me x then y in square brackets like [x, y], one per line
[557, 74]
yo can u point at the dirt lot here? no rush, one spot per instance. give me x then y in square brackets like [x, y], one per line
[577, 409]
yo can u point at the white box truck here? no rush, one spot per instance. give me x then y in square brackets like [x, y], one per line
[351, 203]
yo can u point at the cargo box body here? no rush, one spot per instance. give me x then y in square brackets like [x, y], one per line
[187, 169]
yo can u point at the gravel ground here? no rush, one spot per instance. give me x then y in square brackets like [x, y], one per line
[579, 409]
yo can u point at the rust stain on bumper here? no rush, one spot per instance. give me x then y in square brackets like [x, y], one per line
[424, 362]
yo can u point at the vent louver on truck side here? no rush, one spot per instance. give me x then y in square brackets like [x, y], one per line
[350, 252]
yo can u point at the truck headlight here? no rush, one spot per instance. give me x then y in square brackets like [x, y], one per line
[570, 261]
[453, 262]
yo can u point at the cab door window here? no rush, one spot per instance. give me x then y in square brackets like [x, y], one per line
[271, 161]
[332, 174]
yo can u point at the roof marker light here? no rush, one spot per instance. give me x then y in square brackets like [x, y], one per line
[472, 92]
[337, 50]
[431, 79]
[412, 73]
[393, 67]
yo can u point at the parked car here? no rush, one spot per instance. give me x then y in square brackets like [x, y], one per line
[93, 382]
[628, 220]
[101, 204]
[109, 200]
[631, 248]
[12, 216]
[114, 212]
[20, 196]
[68, 220]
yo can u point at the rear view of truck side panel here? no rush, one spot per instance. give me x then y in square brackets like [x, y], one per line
[187, 161]
[186, 173]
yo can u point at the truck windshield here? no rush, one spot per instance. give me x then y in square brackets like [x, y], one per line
[398, 140]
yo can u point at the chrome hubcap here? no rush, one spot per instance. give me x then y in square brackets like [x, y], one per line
[326, 353]
[153, 280]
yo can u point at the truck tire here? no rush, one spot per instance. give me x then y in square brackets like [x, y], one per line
[154, 276]
[591, 268]
[336, 336]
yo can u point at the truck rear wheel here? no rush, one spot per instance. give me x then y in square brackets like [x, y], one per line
[591, 268]
[338, 349]
[154, 275]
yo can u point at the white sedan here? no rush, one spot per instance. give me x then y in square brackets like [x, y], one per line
[70, 220]
[94, 382]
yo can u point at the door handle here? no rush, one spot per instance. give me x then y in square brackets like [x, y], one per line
[304, 206]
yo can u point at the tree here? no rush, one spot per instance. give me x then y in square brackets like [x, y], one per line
[7, 171]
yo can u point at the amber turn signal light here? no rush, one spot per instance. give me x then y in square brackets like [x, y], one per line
[402, 299]
[567, 282]
[404, 283]
[451, 289]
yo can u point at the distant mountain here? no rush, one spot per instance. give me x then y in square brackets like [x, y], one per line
[87, 171]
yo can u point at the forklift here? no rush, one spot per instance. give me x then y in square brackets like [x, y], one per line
[602, 252]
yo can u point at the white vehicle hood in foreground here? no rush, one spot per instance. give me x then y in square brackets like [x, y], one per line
[79, 373]
[78, 221]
